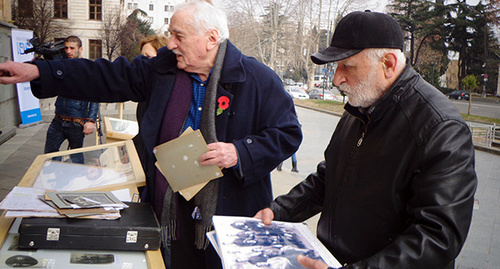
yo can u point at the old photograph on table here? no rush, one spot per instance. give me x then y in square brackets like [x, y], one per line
[67, 200]
[248, 243]
[92, 258]
[99, 168]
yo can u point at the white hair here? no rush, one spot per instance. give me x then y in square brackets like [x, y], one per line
[376, 54]
[206, 17]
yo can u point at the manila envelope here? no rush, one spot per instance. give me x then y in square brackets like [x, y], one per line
[177, 160]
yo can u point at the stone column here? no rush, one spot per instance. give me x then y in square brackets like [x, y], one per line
[9, 107]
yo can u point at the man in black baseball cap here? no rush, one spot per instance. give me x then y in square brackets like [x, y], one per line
[396, 189]
[358, 31]
[373, 34]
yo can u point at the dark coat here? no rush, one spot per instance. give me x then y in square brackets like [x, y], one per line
[396, 189]
[260, 121]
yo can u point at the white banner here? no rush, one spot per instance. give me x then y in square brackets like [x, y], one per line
[29, 105]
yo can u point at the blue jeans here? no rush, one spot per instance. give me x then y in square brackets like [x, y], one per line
[60, 130]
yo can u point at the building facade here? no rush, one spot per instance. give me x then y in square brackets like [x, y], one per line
[5, 10]
[87, 20]
[159, 11]
[54, 20]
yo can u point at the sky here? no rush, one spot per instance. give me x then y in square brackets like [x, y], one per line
[380, 4]
[373, 5]
[376, 5]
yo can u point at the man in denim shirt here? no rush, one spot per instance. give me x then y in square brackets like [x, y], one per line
[74, 119]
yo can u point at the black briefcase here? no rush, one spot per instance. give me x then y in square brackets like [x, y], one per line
[136, 229]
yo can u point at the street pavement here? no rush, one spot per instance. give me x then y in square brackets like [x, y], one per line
[482, 247]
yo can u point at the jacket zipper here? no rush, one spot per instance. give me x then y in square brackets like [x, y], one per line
[344, 179]
[360, 140]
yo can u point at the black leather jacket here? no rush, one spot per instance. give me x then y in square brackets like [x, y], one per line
[396, 189]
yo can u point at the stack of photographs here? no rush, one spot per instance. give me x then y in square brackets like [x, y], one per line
[244, 242]
[96, 204]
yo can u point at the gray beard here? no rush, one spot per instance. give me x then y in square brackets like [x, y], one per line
[365, 93]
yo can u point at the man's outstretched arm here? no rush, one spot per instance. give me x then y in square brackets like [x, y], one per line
[12, 72]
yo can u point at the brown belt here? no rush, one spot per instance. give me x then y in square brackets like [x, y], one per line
[73, 119]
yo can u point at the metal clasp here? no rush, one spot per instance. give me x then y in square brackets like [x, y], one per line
[132, 237]
[53, 234]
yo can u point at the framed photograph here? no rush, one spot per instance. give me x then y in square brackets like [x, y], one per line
[120, 129]
[111, 167]
[105, 167]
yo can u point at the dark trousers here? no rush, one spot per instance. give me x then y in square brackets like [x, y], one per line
[183, 253]
[60, 130]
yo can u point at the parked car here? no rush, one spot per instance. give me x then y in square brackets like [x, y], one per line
[297, 92]
[288, 81]
[320, 94]
[458, 95]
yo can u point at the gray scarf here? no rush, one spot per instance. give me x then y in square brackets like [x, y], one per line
[206, 199]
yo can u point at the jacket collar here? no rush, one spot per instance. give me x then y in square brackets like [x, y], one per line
[165, 62]
[233, 70]
[388, 100]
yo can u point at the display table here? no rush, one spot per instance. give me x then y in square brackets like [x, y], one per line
[111, 167]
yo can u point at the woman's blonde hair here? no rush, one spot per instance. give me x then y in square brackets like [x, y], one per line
[157, 41]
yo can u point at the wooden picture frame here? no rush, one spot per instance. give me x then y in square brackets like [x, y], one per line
[119, 129]
[131, 179]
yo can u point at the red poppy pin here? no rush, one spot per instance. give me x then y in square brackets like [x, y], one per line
[223, 104]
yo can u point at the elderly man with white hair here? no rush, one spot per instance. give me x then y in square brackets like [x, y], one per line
[201, 81]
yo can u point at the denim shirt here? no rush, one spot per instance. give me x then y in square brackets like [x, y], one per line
[77, 109]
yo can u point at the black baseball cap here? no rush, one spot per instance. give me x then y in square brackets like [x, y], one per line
[358, 31]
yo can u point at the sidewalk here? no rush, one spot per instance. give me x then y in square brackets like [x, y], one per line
[17, 153]
[492, 149]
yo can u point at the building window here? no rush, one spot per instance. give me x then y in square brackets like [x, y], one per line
[129, 5]
[166, 21]
[25, 8]
[151, 20]
[95, 49]
[151, 7]
[95, 8]
[61, 9]
[136, 5]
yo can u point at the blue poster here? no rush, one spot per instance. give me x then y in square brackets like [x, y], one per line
[29, 105]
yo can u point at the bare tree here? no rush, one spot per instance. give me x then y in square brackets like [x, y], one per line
[112, 26]
[121, 34]
[38, 15]
[309, 35]
[284, 33]
[259, 26]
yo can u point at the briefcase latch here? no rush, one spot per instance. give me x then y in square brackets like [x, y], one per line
[132, 237]
[53, 234]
